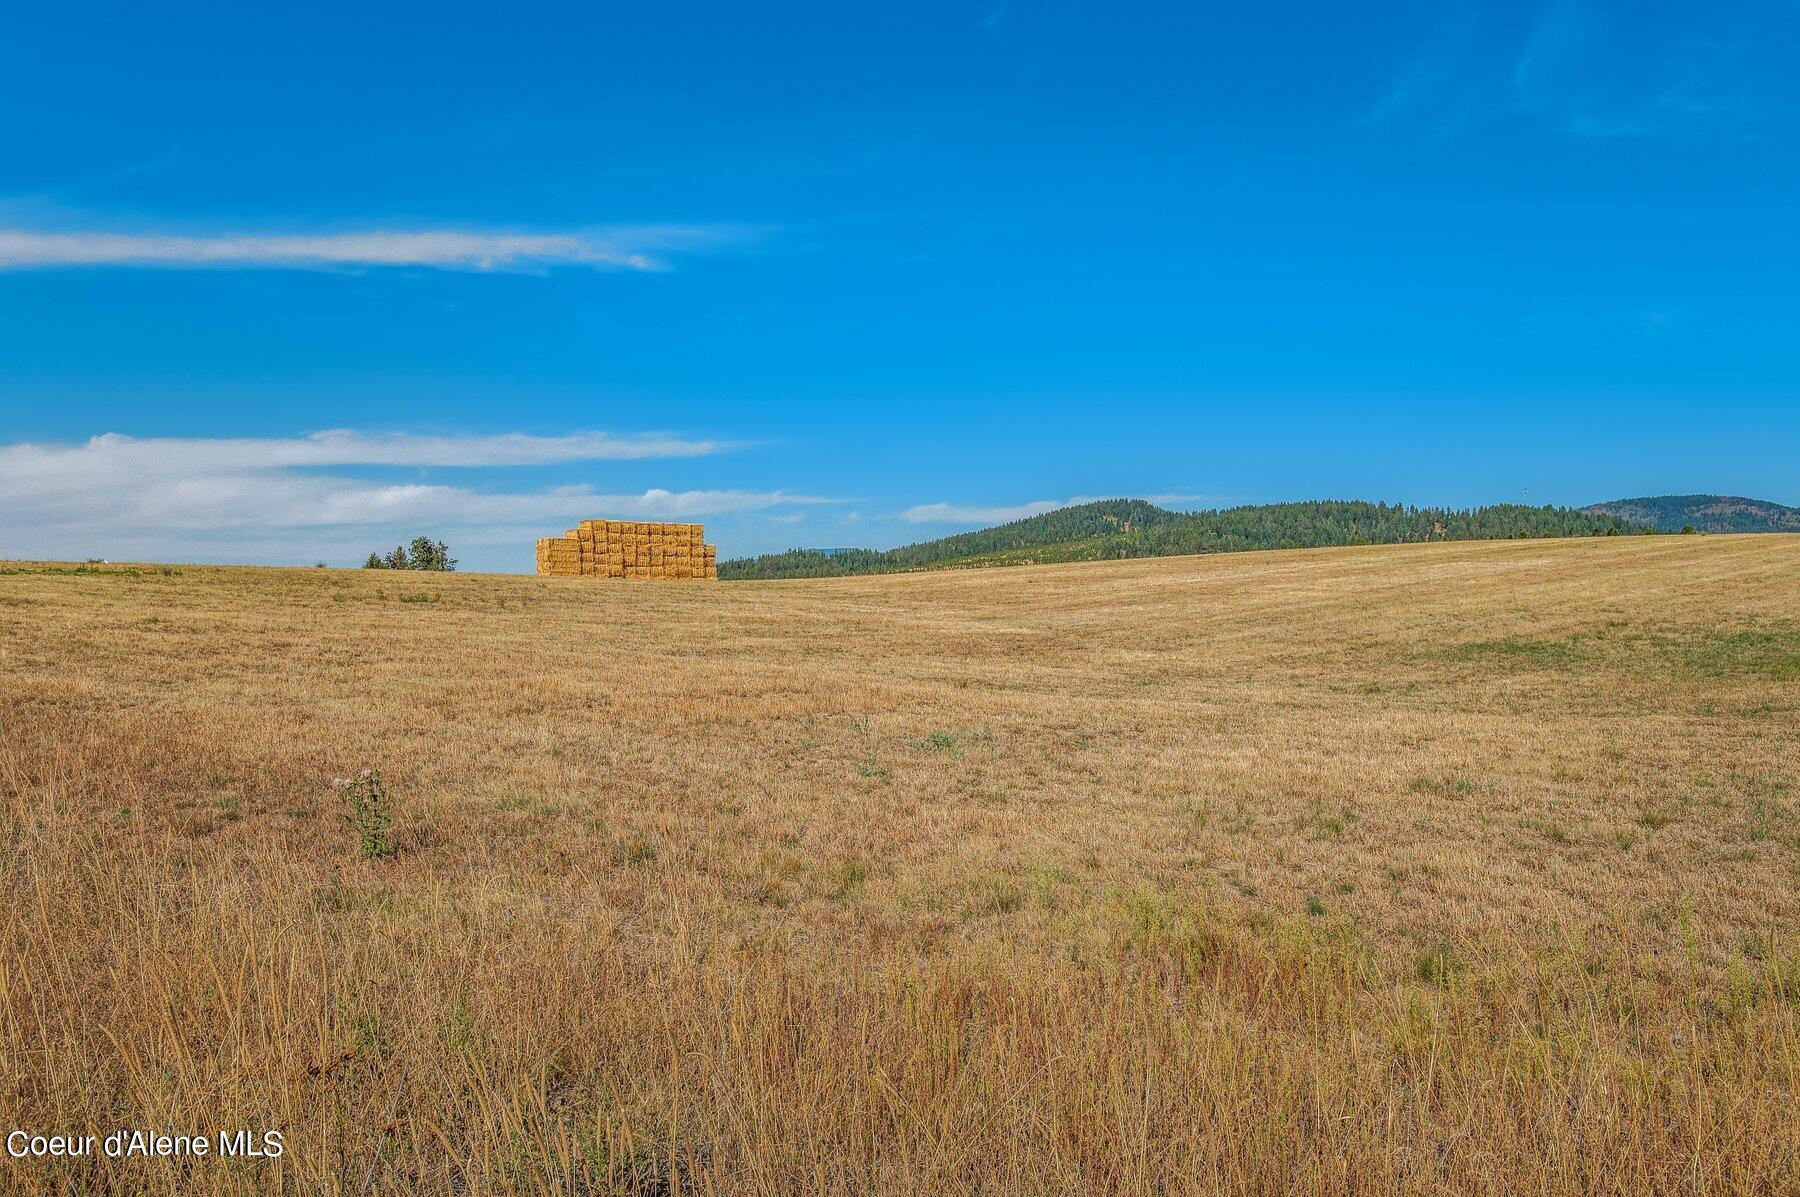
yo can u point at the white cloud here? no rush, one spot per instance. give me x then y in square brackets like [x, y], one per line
[1188, 500]
[447, 249]
[952, 513]
[341, 446]
[195, 498]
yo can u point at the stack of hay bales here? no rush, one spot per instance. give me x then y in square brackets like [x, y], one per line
[559, 555]
[629, 549]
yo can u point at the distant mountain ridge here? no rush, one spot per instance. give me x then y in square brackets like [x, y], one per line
[1113, 529]
[1702, 513]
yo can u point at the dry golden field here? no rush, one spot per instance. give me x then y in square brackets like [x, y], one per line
[1457, 868]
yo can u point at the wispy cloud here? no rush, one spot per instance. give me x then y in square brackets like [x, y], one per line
[1430, 72]
[199, 497]
[444, 249]
[1572, 67]
[1570, 74]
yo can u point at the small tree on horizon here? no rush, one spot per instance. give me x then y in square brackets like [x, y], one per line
[425, 554]
[431, 554]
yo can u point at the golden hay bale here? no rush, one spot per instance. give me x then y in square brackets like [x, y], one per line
[636, 549]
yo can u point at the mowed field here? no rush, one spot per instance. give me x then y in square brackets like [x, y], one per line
[1453, 868]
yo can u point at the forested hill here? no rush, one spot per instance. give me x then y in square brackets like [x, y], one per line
[1703, 513]
[1120, 528]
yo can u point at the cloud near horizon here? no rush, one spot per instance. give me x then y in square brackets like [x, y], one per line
[443, 249]
[207, 498]
[954, 513]
[348, 446]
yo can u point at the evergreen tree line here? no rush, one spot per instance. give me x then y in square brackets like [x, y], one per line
[1122, 528]
[425, 553]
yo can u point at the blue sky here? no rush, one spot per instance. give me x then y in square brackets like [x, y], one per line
[287, 285]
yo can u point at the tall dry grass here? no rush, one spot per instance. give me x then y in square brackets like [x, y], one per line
[1444, 869]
